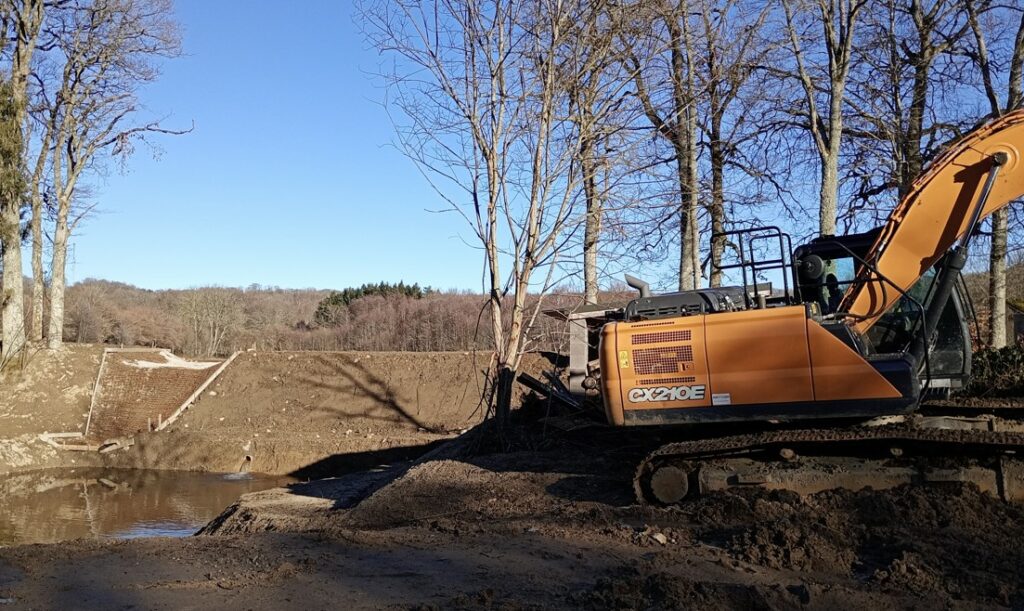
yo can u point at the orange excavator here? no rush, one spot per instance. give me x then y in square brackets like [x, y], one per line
[818, 383]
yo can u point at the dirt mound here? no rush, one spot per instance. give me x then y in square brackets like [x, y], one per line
[447, 489]
[949, 539]
[633, 589]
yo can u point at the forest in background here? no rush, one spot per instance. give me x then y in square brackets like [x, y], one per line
[216, 321]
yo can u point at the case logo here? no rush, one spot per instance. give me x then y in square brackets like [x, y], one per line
[665, 393]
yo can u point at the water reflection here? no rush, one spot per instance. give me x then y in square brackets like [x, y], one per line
[62, 504]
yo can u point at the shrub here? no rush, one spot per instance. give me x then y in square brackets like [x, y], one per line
[997, 373]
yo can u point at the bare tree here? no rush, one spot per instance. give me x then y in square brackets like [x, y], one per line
[12, 189]
[662, 50]
[898, 119]
[481, 86]
[211, 315]
[592, 71]
[730, 36]
[822, 74]
[105, 51]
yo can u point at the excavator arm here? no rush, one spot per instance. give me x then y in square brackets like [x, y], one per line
[936, 212]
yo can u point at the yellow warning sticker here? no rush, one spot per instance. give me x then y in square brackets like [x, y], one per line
[623, 359]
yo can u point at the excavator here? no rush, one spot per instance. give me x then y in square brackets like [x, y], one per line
[818, 383]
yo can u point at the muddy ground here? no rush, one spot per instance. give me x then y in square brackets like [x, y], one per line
[412, 513]
[549, 524]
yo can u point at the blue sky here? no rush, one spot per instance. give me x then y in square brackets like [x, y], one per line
[289, 178]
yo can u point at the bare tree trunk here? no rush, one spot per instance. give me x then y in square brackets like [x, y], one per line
[592, 224]
[717, 208]
[35, 188]
[828, 195]
[997, 280]
[12, 297]
[829, 153]
[38, 285]
[1000, 225]
[686, 154]
[691, 246]
[55, 332]
[838, 19]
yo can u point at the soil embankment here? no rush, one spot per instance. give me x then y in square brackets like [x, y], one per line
[313, 414]
[50, 394]
[303, 413]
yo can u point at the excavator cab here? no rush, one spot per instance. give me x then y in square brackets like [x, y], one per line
[826, 283]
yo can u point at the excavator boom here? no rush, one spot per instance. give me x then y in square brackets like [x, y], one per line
[935, 214]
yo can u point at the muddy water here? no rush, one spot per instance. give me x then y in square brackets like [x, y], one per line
[63, 504]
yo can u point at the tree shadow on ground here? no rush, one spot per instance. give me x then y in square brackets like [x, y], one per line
[338, 465]
[362, 381]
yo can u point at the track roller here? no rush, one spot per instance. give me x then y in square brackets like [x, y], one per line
[666, 484]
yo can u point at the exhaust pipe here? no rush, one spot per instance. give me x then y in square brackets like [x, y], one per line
[640, 285]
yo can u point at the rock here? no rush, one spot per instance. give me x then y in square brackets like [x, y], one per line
[660, 538]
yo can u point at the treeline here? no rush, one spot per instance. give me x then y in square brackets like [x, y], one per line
[214, 321]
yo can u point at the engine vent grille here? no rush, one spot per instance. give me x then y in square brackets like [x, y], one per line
[649, 361]
[682, 380]
[662, 337]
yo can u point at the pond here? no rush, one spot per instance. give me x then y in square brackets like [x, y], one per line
[62, 504]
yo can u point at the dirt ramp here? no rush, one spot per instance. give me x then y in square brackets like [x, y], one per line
[137, 390]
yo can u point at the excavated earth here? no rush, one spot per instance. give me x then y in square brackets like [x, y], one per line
[268, 412]
[538, 519]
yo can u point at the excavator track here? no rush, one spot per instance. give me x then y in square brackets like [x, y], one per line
[670, 473]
